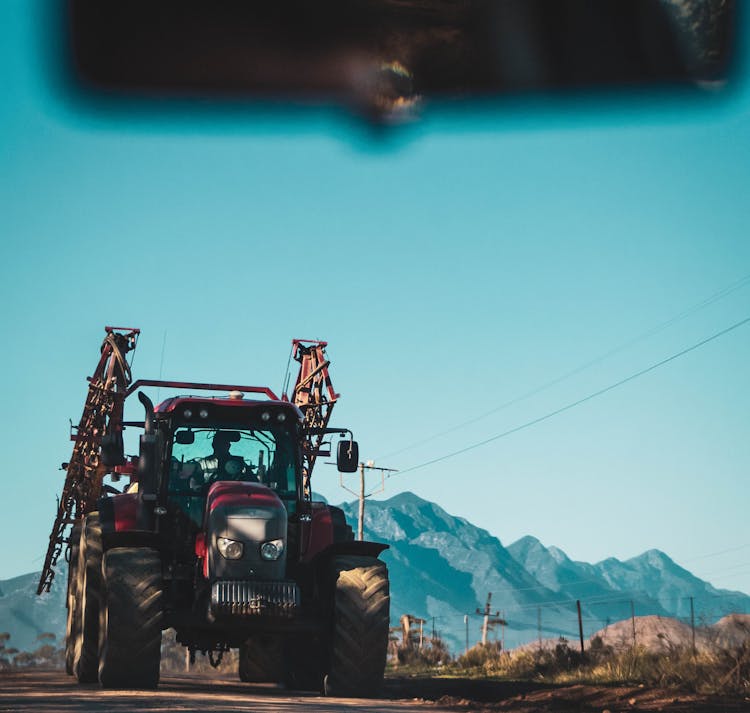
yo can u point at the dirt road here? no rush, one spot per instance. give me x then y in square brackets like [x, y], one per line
[48, 692]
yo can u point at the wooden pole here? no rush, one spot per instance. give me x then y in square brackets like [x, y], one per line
[486, 619]
[692, 622]
[580, 623]
[361, 522]
[539, 625]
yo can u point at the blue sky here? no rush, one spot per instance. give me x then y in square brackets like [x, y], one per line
[457, 267]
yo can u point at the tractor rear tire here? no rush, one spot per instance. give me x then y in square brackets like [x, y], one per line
[361, 617]
[72, 620]
[260, 660]
[88, 593]
[131, 618]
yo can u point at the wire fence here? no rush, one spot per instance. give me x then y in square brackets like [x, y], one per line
[630, 618]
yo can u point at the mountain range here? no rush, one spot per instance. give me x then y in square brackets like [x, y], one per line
[442, 568]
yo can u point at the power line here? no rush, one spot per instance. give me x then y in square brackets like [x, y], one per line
[716, 554]
[728, 569]
[733, 287]
[583, 400]
[621, 597]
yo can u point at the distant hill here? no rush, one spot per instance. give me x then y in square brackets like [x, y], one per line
[662, 634]
[24, 615]
[442, 568]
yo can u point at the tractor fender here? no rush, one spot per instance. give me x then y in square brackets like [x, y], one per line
[119, 522]
[352, 547]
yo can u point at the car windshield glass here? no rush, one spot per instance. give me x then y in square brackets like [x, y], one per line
[253, 456]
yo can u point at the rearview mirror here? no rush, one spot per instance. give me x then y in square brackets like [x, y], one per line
[347, 456]
[384, 55]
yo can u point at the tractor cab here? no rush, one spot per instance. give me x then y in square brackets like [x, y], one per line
[230, 440]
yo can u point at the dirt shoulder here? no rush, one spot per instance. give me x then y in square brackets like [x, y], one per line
[526, 697]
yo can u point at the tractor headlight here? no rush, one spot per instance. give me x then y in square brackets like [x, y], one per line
[229, 549]
[272, 550]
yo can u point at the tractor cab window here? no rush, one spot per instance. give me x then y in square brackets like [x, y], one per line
[201, 457]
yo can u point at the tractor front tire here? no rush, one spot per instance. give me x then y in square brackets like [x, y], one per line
[88, 592]
[359, 636]
[73, 618]
[131, 618]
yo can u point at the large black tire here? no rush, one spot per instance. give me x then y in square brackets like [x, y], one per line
[359, 636]
[260, 660]
[73, 618]
[131, 618]
[88, 592]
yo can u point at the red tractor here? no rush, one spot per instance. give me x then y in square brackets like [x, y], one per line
[216, 535]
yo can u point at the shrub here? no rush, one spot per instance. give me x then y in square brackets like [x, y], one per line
[434, 652]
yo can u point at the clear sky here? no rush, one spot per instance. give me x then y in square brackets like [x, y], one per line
[463, 264]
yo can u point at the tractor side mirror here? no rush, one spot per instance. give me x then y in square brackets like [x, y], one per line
[347, 456]
[184, 438]
[112, 450]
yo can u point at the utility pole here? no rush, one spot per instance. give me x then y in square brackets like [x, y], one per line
[361, 514]
[486, 620]
[580, 623]
[692, 622]
[361, 495]
[466, 624]
[406, 621]
[539, 625]
[406, 631]
[492, 623]
[632, 617]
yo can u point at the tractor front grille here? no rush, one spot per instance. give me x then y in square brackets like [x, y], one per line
[250, 598]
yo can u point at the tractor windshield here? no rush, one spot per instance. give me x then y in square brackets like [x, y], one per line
[201, 457]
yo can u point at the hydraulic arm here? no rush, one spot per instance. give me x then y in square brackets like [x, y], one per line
[101, 420]
[313, 394]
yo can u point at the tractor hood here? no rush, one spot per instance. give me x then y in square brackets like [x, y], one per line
[246, 532]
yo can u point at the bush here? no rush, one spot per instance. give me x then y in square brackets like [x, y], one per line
[481, 656]
[434, 652]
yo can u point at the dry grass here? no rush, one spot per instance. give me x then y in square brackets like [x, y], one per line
[710, 671]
